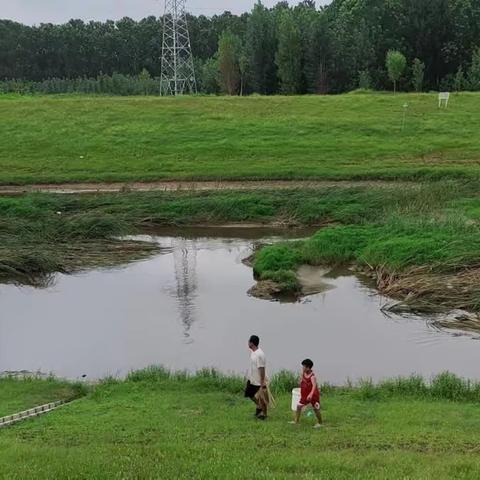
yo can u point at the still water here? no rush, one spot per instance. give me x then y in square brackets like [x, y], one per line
[188, 308]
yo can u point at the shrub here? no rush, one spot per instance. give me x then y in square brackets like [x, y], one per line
[274, 258]
[418, 74]
[364, 80]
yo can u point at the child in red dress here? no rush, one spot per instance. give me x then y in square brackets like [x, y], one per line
[309, 393]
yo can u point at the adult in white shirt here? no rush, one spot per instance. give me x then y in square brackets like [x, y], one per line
[257, 378]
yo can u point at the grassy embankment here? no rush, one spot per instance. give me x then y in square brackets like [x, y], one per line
[154, 425]
[79, 138]
[420, 241]
[18, 395]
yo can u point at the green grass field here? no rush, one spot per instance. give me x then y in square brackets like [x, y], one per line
[419, 237]
[150, 427]
[78, 138]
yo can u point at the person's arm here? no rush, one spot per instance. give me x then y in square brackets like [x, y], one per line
[261, 364]
[314, 387]
[261, 371]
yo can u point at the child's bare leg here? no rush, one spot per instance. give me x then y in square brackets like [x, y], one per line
[318, 414]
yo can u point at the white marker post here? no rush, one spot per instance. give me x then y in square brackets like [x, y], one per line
[443, 98]
[405, 107]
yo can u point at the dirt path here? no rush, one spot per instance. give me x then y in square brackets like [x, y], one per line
[70, 188]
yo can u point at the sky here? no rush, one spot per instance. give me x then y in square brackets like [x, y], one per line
[59, 11]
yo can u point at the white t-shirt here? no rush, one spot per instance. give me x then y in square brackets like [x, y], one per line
[257, 360]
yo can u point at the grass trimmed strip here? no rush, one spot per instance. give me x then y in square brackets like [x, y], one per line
[81, 138]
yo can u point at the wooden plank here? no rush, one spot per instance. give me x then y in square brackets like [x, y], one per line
[30, 413]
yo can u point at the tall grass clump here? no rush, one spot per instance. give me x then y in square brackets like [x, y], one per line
[284, 381]
[279, 263]
[451, 387]
[152, 373]
[444, 386]
[205, 379]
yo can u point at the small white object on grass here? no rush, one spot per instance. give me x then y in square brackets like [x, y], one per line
[443, 98]
[405, 106]
[296, 395]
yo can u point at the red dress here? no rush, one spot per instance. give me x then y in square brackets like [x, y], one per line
[305, 388]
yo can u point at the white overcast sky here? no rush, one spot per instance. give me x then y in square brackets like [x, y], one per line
[59, 11]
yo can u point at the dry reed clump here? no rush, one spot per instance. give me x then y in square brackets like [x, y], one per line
[425, 290]
[36, 264]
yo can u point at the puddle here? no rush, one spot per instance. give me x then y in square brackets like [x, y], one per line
[188, 308]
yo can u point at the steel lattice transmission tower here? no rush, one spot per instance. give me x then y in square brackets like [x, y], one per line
[178, 72]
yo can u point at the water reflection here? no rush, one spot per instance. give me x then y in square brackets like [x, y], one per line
[185, 264]
[188, 308]
[41, 280]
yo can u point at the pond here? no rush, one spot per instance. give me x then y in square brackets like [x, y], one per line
[188, 308]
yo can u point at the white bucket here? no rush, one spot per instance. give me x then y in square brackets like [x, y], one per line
[295, 398]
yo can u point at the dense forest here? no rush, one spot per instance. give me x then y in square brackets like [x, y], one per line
[370, 44]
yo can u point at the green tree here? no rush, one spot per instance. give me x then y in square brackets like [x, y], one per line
[289, 54]
[473, 75]
[261, 46]
[209, 76]
[318, 51]
[145, 79]
[459, 80]
[418, 75]
[395, 63]
[338, 41]
[243, 65]
[229, 51]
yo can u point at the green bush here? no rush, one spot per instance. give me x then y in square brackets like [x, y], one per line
[281, 257]
[450, 387]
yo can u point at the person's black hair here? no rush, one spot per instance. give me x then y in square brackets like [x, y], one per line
[307, 363]
[255, 340]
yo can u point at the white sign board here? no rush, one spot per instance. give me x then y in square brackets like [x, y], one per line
[443, 98]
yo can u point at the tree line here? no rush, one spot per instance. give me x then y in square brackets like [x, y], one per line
[370, 44]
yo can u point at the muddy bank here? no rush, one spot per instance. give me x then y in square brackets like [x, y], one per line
[416, 292]
[173, 186]
[311, 280]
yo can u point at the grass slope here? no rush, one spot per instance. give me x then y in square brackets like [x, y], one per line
[78, 138]
[18, 395]
[174, 428]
